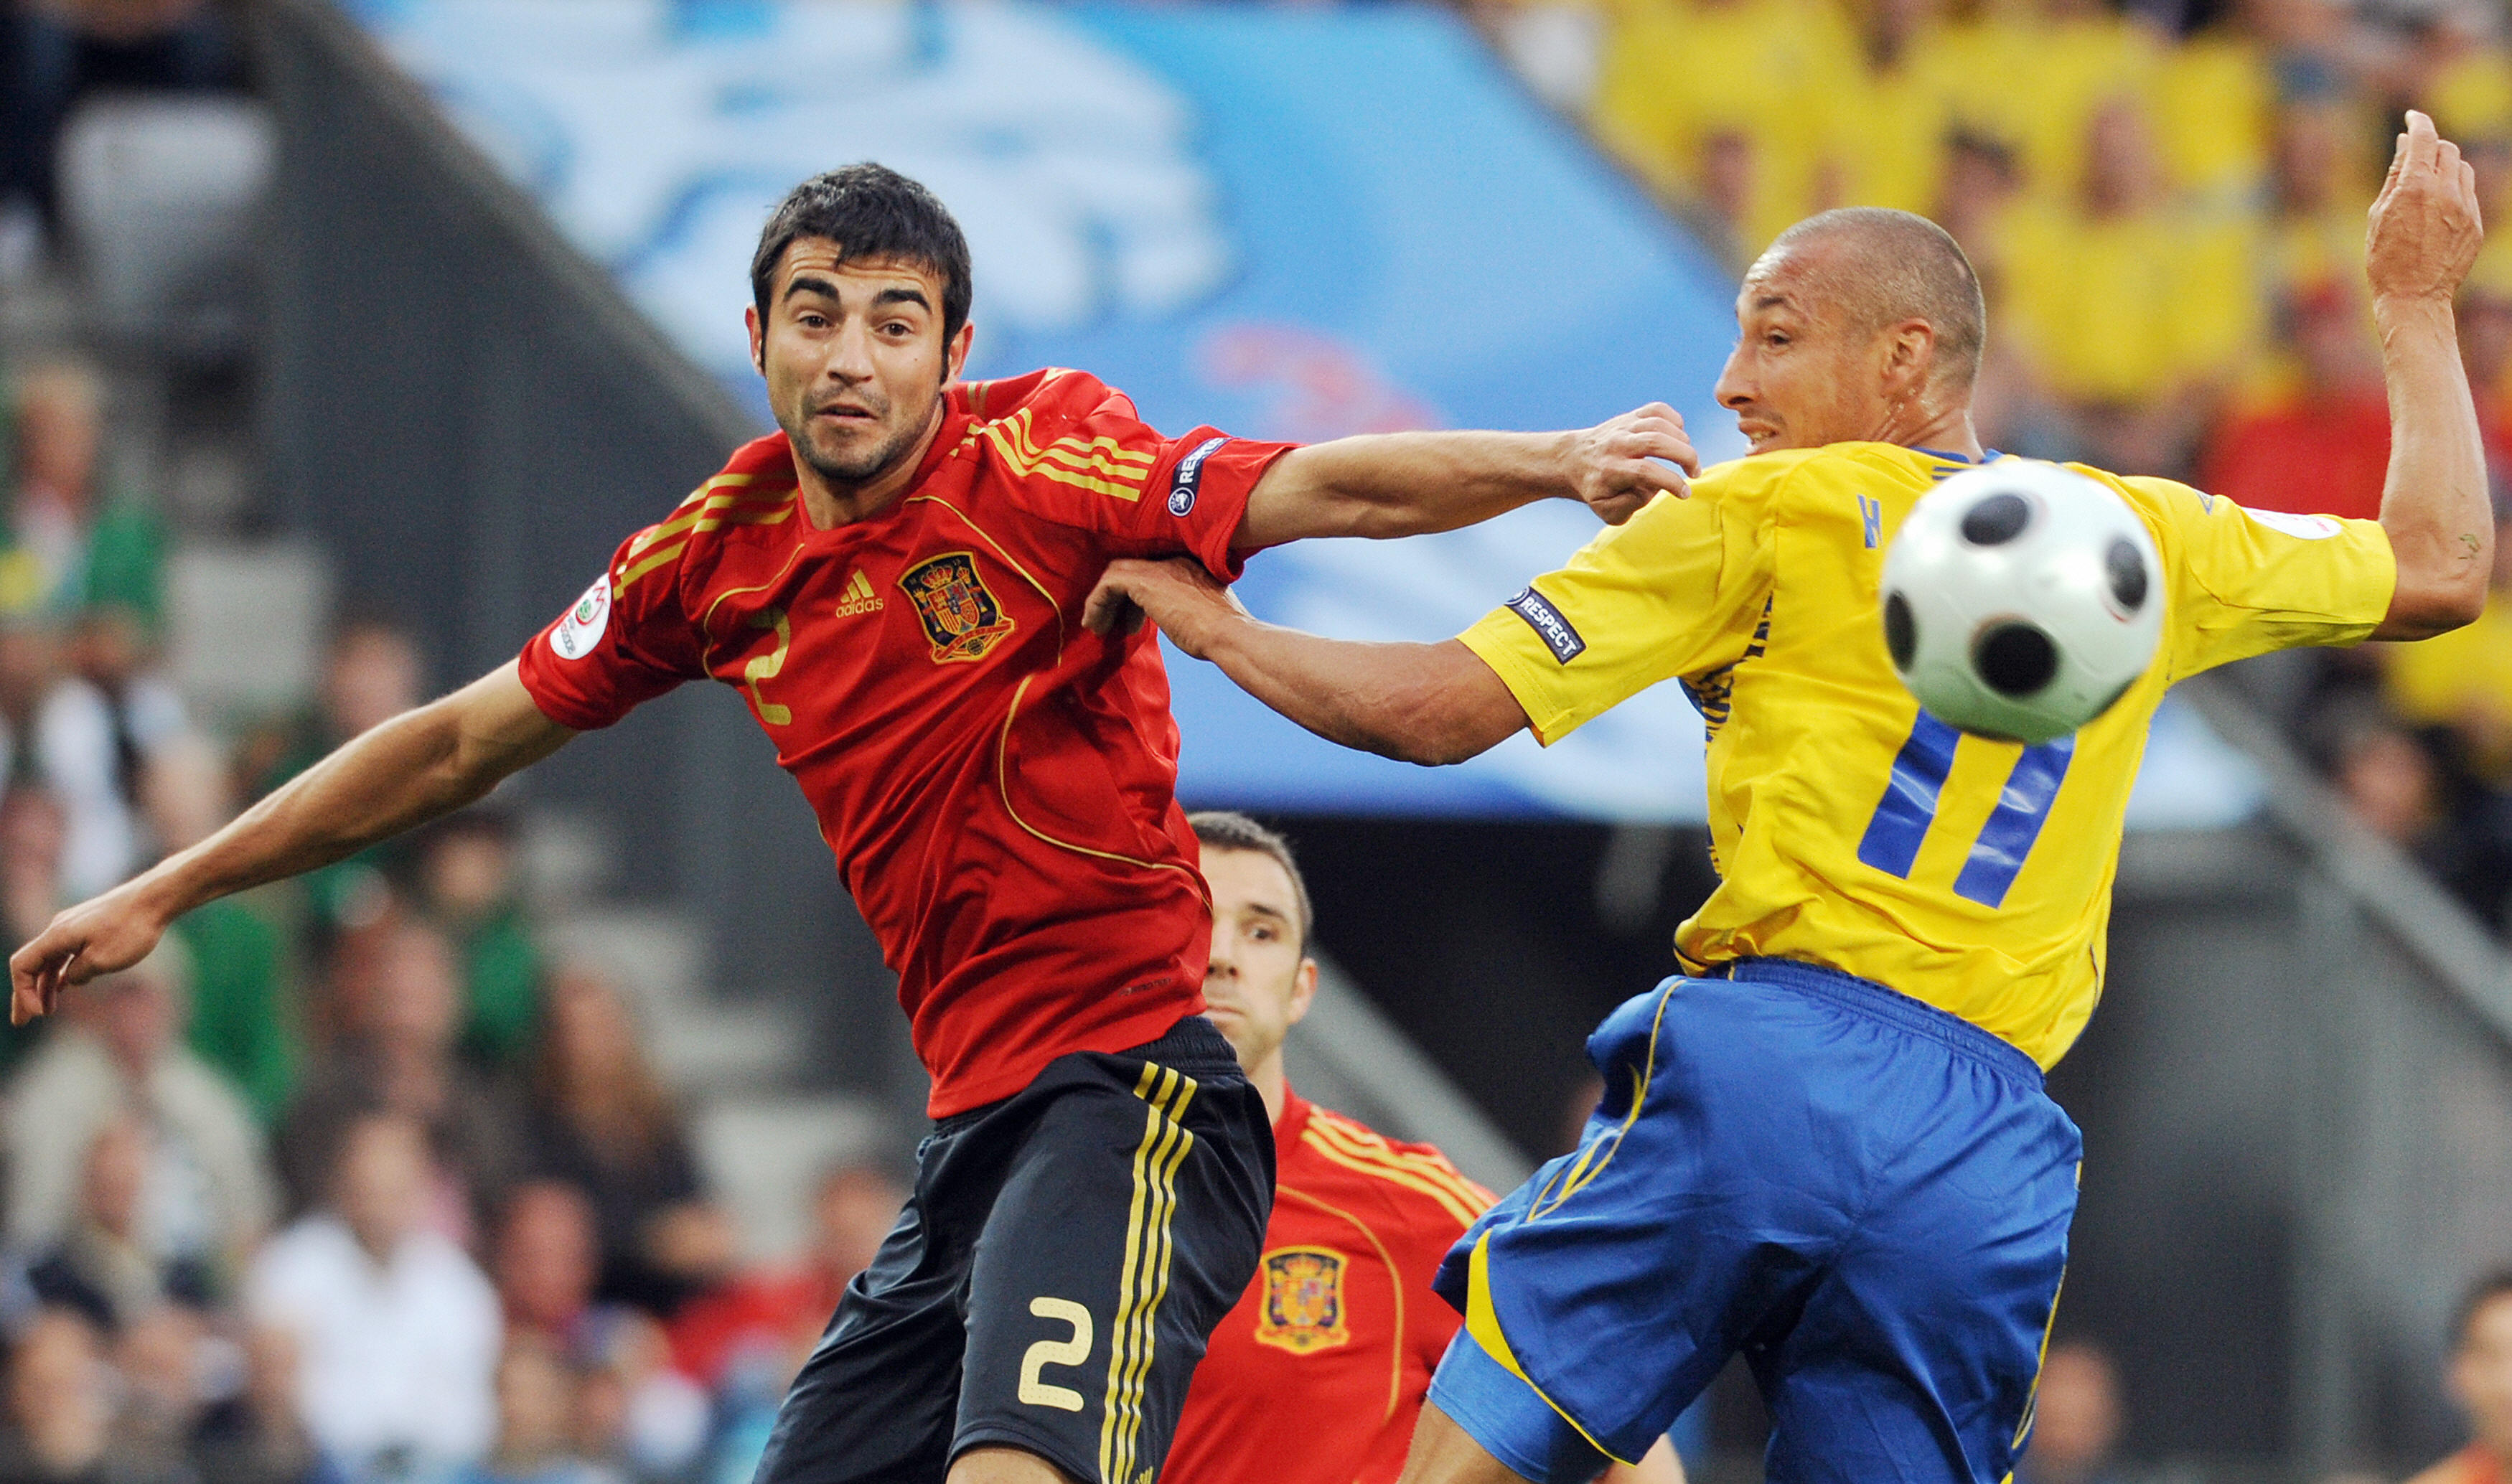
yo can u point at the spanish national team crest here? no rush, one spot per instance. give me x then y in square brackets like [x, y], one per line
[1303, 1299]
[960, 617]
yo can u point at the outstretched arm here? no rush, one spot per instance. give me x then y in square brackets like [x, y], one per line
[2423, 238]
[419, 766]
[1416, 703]
[1385, 485]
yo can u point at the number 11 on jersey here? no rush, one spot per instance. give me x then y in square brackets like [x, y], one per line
[1908, 810]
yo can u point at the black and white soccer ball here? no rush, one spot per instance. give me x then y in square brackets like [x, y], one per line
[2021, 600]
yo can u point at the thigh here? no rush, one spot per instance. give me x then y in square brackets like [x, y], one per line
[1482, 1423]
[874, 1400]
[1129, 1224]
[1916, 1354]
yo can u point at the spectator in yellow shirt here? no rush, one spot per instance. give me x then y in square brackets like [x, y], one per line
[2035, 75]
[1889, 129]
[2321, 184]
[2214, 94]
[2132, 312]
[1696, 93]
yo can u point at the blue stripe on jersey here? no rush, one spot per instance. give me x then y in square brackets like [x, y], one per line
[2022, 806]
[1909, 806]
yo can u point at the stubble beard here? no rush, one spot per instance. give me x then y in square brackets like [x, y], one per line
[863, 468]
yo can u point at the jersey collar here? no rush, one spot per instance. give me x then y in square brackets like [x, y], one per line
[1986, 456]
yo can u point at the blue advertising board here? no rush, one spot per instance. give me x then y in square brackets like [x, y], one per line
[1292, 224]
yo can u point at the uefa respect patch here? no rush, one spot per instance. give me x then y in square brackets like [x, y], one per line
[584, 624]
[1549, 625]
[1189, 476]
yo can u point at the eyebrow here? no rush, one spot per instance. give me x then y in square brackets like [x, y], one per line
[1770, 301]
[914, 297]
[1271, 912]
[805, 283]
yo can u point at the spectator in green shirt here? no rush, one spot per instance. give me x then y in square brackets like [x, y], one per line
[245, 1019]
[372, 672]
[466, 885]
[72, 540]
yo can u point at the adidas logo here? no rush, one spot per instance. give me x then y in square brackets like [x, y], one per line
[860, 596]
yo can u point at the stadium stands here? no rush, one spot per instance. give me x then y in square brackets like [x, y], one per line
[634, 1036]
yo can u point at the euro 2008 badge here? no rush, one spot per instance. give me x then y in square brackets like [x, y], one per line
[581, 629]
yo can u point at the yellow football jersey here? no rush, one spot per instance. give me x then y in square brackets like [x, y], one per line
[1849, 828]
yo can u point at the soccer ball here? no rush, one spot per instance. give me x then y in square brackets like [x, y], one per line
[2020, 599]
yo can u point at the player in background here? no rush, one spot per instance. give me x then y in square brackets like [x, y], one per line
[892, 582]
[1824, 1144]
[2481, 1381]
[1318, 1372]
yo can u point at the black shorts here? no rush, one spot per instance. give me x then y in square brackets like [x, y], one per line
[1051, 1285]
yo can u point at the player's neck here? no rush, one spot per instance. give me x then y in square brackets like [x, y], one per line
[1942, 431]
[1271, 1086]
[830, 503]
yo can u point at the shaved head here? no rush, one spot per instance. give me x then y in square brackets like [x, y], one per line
[1878, 268]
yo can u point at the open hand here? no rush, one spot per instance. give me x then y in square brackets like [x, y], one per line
[1621, 464]
[98, 937]
[2426, 228]
[1178, 594]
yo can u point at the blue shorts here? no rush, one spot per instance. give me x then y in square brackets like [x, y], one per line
[1865, 1197]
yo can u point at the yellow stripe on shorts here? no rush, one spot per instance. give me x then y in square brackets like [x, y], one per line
[1144, 1279]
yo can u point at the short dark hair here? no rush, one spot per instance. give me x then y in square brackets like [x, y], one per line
[869, 211]
[1230, 830]
[2481, 1294]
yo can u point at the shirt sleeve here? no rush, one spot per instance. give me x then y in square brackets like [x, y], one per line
[1103, 468]
[2246, 581]
[1677, 590]
[624, 643]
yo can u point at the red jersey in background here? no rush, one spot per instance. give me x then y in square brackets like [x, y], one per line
[1318, 1372]
[2329, 456]
[996, 782]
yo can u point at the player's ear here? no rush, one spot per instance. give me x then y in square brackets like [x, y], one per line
[1304, 992]
[1910, 354]
[758, 338]
[955, 356]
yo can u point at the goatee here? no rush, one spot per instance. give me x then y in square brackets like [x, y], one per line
[859, 469]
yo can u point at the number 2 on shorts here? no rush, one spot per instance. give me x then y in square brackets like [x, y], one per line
[1046, 1352]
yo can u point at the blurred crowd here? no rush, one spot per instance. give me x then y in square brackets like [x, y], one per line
[352, 1179]
[52, 53]
[2082, 1425]
[2167, 204]
[2166, 201]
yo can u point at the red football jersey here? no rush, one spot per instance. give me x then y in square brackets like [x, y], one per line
[1318, 1372]
[996, 782]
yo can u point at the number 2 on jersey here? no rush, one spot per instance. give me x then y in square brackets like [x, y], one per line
[1908, 810]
